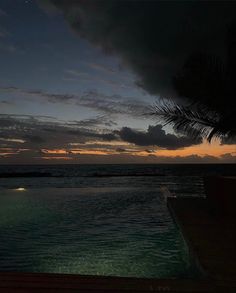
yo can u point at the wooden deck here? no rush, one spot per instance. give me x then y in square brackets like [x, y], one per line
[211, 240]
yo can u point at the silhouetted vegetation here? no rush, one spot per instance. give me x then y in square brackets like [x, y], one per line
[209, 85]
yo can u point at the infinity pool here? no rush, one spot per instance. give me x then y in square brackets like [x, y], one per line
[105, 231]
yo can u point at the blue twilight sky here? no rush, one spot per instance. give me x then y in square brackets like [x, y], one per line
[39, 51]
[81, 96]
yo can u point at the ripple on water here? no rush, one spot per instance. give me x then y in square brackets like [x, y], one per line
[114, 231]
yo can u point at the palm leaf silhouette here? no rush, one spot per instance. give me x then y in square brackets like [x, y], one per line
[195, 120]
[210, 87]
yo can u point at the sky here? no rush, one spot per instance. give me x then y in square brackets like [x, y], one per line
[78, 79]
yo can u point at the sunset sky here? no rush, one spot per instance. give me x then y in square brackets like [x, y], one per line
[76, 83]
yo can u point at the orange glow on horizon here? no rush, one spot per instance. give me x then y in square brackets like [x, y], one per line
[205, 149]
[91, 152]
[98, 142]
[56, 158]
[214, 149]
[54, 151]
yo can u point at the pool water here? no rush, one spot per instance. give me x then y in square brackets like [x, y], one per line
[106, 231]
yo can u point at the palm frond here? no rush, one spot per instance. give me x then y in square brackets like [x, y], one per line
[194, 120]
[210, 84]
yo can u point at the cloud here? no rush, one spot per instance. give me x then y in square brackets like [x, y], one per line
[152, 37]
[101, 67]
[6, 102]
[37, 157]
[107, 104]
[114, 104]
[92, 122]
[35, 130]
[34, 139]
[45, 137]
[156, 136]
[90, 134]
[229, 158]
[77, 74]
[50, 97]
[226, 140]
[120, 150]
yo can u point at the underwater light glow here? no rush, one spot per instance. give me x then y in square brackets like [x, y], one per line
[21, 189]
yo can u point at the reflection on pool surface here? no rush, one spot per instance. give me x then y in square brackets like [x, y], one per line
[105, 231]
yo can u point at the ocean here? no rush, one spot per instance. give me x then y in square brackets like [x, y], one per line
[97, 219]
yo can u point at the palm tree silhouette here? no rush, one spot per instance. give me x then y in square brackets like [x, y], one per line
[210, 84]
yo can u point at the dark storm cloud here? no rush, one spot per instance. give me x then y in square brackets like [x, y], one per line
[156, 136]
[153, 37]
